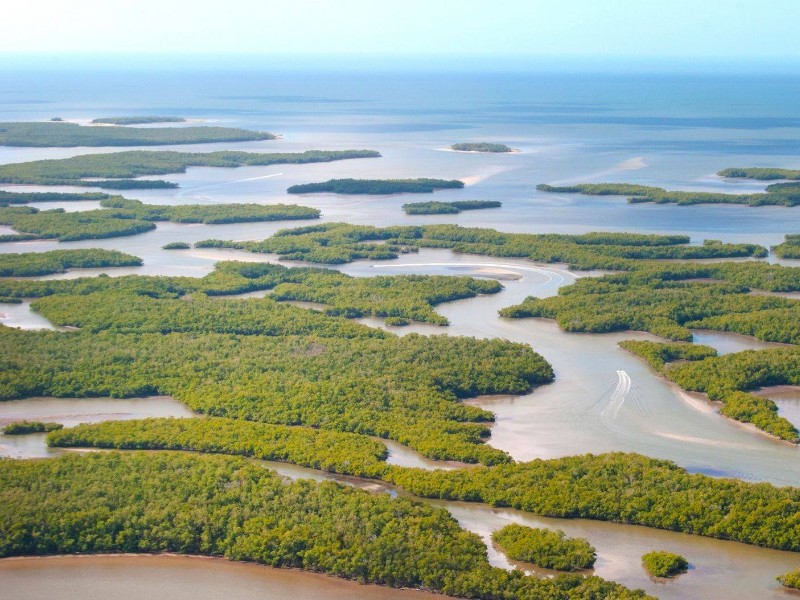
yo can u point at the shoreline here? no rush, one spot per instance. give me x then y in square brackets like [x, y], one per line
[264, 568]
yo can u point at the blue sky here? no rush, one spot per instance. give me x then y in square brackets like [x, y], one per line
[550, 29]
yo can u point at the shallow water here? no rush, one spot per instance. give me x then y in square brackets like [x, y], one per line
[673, 132]
[73, 411]
[167, 577]
[603, 399]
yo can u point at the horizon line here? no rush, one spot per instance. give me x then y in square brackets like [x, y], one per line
[399, 62]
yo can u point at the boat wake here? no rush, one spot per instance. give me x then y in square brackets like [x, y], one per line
[618, 397]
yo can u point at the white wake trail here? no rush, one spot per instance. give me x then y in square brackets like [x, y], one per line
[615, 404]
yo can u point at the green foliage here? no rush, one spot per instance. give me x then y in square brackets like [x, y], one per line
[121, 217]
[71, 226]
[727, 379]
[446, 208]
[773, 325]
[407, 297]
[666, 309]
[431, 208]
[601, 189]
[762, 173]
[545, 548]
[29, 197]
[626, 488]
[117, 168]
[336, 243]
[261, 360]
[223, 506]
[667, 300]
[480, 147]
[643, 193]
[659, 354]
[60, 134]
[227, 278]
[17, 237]
[791, 579]
[122, 312]
[23, 427]
[137, 120]
[329, 243]
[664, 564]
[210, 214]
[406, 389]
[29, 264]
[330, 451]
[789, 248]
[376, 186]
[176, 246]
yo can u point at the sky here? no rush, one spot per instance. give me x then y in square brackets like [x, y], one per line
[519, 30]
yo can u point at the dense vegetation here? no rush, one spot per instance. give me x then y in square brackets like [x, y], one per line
[545, 548]
[668, 299]
[727, 378]
[480, 147]
[406, 389]
[7, 198]
[376, 186]
[116, 170]
[330, 451]
[176, 246]
[123, 312]
[664, 564]
[262, 364]
[448, 208]
[60, 134]
[626, 488]
[71, 226]
[223, 506]
[17, 237]
[137, 120]
[335, 243]
[791, 579]
[210, 214]
[789, 248]
[789, 196]
[401, 298]
[262, 360]
[30, 264]
[24, 427]
[121, 217]
[763, 173]
[658, 354]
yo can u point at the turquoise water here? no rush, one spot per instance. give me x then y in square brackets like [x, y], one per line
[669, 131]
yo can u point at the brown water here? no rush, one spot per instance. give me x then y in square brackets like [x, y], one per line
[167, 577]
